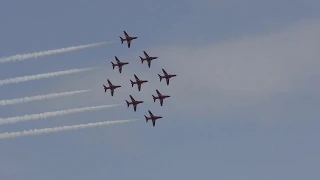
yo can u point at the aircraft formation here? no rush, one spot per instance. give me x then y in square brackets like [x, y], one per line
[139, 82]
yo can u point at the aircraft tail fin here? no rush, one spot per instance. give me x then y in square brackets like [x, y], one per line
[121, 39]
[160, 77]
[127, 103]
[112, 65]
[141, 59]
[154, 98]
[146, 118]
[131, 83]
[105, 88]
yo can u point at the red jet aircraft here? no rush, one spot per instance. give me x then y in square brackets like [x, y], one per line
[152, 117]
[138, 82]
[148, 58]
[160, 97]
[119, 64]
[111, 87]
[134, 103]
[167, 76]
[128, 38]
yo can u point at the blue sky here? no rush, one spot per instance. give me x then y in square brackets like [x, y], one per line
[243, 106]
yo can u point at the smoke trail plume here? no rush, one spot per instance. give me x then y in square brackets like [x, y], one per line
[62, 128]
[39, 97]
[21, 57]
[12, 120]
[41, 76]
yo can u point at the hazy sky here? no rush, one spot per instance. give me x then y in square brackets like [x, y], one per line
[245, 103]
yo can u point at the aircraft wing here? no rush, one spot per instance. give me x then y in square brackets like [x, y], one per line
[151, 115]
[139, 87]
[149, 63]
[117, 59]
[161, 102]
[126, 34]
[164, 72]
[153, 122]
[132, 98]
[120, 69]
[135, 107]
[158, 92]
[146, 54]
[135, 76]
[110, 84]
[168, 81]
[112, 92]
[129, 43]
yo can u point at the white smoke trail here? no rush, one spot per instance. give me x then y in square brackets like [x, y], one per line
[12, 120]
[41, 76]
[21, 57]
[39, 97]
[62, 128]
